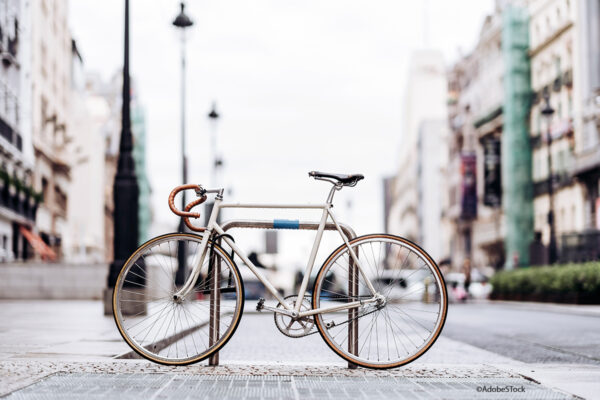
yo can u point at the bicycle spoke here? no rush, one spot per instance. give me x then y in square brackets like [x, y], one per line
[409, 314]
[164, 328]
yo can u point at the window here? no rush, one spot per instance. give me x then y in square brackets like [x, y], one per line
[45, 189]
[43, 59]
[559, 110]
[60, 199]
[43, 110]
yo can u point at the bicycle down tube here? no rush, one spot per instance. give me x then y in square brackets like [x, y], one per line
[213, 226]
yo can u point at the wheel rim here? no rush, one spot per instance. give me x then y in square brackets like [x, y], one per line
[168, 330]
[400, 328]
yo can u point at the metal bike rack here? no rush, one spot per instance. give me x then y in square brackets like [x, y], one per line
[352, 283]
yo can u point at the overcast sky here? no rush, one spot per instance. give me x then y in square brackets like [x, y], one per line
[303, 85]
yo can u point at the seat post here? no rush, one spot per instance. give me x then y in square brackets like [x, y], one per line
[332, 192]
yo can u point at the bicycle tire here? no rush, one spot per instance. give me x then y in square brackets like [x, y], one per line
[191, 322]
[394, 317]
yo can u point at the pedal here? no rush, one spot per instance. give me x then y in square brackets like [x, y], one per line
[260, 305]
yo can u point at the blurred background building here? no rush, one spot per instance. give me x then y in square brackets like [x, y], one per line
[50, 83]
[59, 132]
[511, 153]
[498, 163]
[415, 208]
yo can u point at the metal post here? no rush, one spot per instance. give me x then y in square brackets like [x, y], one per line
[348, 232]
[182, 22]
[353, 312]
[552, 256]
[214, 274]
[181, 250]
[547, 111]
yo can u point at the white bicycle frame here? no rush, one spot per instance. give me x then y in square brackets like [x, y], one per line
[294, 311]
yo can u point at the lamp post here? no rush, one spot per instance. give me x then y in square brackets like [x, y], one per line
[547, 113]
[125, 188]
[182, 22]
[213, 117]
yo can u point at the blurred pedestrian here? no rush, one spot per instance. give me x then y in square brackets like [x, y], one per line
[467, 272]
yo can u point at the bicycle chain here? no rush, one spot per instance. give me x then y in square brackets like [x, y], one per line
[341, 323]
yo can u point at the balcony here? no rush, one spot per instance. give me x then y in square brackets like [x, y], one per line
[11, 136]
[21, 202]
[540, 188]
[580, 246]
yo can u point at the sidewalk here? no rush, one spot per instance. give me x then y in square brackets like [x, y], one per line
[591, 310]
[70, 344]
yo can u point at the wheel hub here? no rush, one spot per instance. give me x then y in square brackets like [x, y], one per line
[381, 300]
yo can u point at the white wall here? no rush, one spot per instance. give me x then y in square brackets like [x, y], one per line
[85, 239]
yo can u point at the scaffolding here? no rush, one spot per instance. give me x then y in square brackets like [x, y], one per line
[516, 150]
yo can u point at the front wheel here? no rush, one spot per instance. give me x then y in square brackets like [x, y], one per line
[170, 330]
[409, 315]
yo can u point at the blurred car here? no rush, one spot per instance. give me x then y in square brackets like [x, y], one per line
[404, 285]
[478, 289]
[455, 285]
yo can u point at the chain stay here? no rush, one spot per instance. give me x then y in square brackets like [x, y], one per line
[341, 323]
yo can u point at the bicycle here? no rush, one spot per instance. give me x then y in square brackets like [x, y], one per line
[379, 300]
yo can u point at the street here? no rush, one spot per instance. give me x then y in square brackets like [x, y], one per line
[482, 343]
[532, 335]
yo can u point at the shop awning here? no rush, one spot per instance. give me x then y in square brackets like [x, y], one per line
[39, 246]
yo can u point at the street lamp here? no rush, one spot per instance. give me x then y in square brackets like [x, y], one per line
[547, 113]
[182, 22]
[213, 117]
[125, 193]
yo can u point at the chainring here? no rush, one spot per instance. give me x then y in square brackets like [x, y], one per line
[295, 328]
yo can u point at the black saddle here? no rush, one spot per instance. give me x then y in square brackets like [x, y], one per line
[342, 179]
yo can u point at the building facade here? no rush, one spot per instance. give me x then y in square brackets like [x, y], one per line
[85, 242]
[552, 29]
[586, 163]
[523, 107]
[18, 199]
[424, 100]
[490, 203]
[475, 118]
[110, 92]
[50, 86]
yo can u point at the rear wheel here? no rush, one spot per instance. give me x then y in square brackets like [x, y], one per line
[407, 320]
[177, 331]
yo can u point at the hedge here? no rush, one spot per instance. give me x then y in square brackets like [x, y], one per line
[573, 283]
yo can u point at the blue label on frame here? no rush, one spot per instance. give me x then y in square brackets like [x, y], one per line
[286, 224]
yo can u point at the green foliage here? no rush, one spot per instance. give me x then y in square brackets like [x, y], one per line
[562, 279]
[37, 196]
[4, 176]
